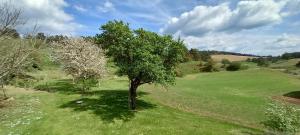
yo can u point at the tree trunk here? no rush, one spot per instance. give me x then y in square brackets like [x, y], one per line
[132, 94]
[3, 90]
[4, 93]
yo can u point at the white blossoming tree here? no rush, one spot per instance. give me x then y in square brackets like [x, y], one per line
[81, 59]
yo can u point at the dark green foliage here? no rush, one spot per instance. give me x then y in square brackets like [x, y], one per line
[225, 62]
[40, 36]
[261, 61]
[298, 64]
[209, 66]
[194, 54]
[86, 84]
[143, 56]
[205, 55]
[234, 66]
[290, 55]
[56, 38]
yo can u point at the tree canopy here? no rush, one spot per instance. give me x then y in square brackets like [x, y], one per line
[143, 56]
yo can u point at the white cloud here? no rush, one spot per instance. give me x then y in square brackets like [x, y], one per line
[250, 44]
[290, 7]
[48, 15]
[239, 28]
[79, 8]
[106, 7]
[205, 19]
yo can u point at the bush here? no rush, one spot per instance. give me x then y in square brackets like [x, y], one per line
[178, 73]
[225, 61]
[282, 118]
[298, 64]
[262, 62]
[234, 66]
[209, 66]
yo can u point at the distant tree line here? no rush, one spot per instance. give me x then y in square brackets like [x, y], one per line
[290, 55]
[196, 55]
[213, 52]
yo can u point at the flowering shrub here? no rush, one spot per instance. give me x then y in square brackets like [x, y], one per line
[81, 59]
[282, 118]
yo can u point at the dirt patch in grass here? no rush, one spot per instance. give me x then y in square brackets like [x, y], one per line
[287, 99]
[6, 102]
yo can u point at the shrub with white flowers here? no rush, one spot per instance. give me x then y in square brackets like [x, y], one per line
[282, 118]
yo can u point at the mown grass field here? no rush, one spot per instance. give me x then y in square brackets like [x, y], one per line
[54, 111]
[202, 103]
[239, 97]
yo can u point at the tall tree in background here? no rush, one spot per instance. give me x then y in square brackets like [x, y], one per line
[10, 18]
[194, 54]
[143, 56]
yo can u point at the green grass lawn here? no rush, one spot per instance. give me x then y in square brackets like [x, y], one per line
[205, 103]
[102, 111]
[239, 97]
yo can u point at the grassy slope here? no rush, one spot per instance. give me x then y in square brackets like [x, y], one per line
[103, 111]
[190, 67]
[287, 66]
[233, 96]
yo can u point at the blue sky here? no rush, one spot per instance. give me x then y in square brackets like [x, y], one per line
[151, 15]
[263, 27]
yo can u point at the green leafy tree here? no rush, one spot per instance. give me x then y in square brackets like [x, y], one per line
[143, 56]
[234, 66]
[225, 62]
[40, 36]
[194, 54]
[209, 66]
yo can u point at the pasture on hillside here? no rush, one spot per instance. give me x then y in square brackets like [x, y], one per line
[205, 103]
[239, 97]
[220, 57]
[54, 109]
[149, 67]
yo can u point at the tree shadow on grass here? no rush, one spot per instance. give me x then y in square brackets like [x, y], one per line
[64, 86]
[293, 94]
[109, 105]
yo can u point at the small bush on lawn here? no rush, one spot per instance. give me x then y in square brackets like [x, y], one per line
[234, 66]
[282, 119]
